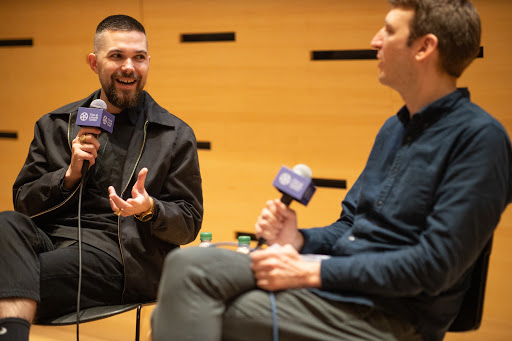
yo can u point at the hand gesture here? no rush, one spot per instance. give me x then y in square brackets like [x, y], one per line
[138, 203]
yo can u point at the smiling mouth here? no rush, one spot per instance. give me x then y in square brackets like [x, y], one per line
[126, 81]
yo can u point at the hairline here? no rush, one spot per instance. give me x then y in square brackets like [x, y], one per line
[98, 37]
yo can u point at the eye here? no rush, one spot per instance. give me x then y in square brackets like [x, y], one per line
[115, 56]
[389, 29]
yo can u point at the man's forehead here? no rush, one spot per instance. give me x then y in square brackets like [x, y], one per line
[398, 16]
[122, 40]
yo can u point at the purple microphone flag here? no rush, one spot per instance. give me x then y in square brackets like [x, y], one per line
[95, 117]
[295, 185]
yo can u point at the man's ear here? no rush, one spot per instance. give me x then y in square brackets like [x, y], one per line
[426, 46]
[93, 62]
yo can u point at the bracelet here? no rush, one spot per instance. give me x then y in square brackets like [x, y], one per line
[149, 214]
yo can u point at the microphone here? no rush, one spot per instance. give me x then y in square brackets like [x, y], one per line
[295, 184]
[95, 116]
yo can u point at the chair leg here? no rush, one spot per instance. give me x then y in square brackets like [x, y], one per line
[137, 324]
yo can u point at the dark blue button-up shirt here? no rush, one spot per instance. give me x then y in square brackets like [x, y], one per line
[420, 213]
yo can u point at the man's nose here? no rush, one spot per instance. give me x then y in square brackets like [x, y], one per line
[128, 64]
[377, 40]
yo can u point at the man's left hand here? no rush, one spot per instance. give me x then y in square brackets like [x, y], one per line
[138, 203]
[283, 268]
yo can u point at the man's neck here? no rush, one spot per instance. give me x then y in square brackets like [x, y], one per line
[426, 92]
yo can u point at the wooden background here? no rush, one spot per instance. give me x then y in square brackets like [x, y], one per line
[259, 100]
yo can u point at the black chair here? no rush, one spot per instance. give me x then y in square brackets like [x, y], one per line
[470, 313]
[97, 313]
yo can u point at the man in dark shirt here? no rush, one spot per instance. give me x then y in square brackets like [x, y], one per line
[140, 198]
[400, 256]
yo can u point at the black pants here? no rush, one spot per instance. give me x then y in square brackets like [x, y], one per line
[32, 265]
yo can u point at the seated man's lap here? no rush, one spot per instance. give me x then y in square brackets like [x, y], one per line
[101, 284]
[302, 315]
[212, 284]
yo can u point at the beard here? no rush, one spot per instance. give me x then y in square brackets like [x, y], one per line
[123, 99]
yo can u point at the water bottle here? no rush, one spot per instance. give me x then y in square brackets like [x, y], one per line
[206, 239]
[244, 244]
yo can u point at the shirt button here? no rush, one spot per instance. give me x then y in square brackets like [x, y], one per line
[395, 170]
[379, 202]
[351, 238]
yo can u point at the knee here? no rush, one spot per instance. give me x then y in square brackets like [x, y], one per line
[12, 221]
[182, 261]
[11, 215]
[181, 268]
[189, 265]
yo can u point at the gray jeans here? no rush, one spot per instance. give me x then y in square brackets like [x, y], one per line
[211, 294]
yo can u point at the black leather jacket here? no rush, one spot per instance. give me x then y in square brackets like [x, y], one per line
[165, 145]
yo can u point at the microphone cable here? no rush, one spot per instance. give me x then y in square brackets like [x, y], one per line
[273, 305]
[79, 290]
[97, 104]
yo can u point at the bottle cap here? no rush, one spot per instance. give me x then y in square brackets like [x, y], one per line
[244, 240]
[205, 236]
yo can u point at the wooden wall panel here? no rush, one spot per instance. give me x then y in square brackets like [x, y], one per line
[263, 103]
[259, 100]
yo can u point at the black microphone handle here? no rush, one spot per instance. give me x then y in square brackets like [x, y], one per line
[85, 167]
[286, 199]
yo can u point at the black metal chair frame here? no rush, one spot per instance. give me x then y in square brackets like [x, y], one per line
[471, 310]
[98, 313]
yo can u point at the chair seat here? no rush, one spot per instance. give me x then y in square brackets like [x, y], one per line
[89, 314]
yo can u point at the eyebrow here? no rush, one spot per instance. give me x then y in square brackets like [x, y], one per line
[121, 51]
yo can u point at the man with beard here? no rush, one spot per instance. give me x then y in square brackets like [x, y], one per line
[140, 198]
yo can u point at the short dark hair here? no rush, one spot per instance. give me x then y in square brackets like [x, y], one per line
[118, 22]
[455, 23]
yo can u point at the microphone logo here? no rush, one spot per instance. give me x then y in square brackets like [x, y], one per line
[285, 179]
[95, 117]
[297, 185]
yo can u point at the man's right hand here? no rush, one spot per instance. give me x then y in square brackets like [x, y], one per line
[85, 147]
[277, 223]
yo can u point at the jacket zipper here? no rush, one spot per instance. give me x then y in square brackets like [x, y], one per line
[56, 206]
[119, 218]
